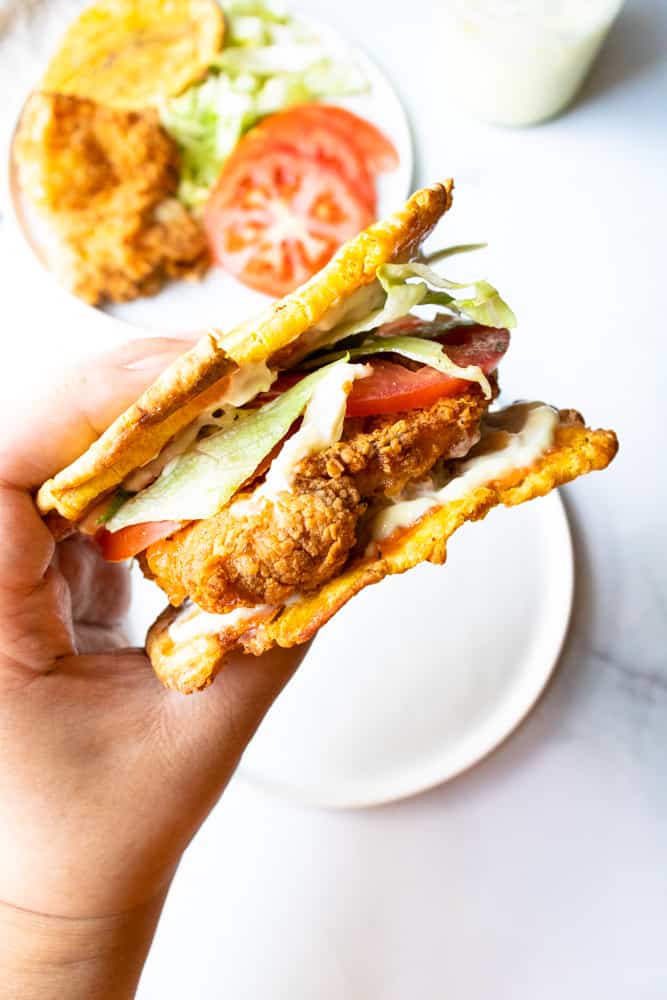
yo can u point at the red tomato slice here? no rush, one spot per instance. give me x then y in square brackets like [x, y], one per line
[276, 220]
[317, 138]
[116, 546]
[378, 152]
[392, 388]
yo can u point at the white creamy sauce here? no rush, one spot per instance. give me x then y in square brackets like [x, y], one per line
[355, 306]
[512, 438]
[517, 62]
[322, 426]
[192, 621]
[251, 379]
[241, 387]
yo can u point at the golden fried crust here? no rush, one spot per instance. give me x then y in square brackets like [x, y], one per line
[110, 459]
[190, 664]
[189, 385]
[384, 453]
[105, 180]
[74, 154]
[128, 53]
[576, 450]
[263, 555]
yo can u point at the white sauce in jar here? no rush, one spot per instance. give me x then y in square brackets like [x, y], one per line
[518, 62]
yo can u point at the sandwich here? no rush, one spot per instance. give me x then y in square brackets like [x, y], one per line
[277, 469]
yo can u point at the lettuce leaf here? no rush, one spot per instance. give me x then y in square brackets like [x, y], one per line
[402, 294]
[201, 480]
[269, 62]
[484, 306]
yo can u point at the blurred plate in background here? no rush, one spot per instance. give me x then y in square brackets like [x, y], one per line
[219, 299]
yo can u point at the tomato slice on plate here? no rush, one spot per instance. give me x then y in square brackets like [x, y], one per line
[319, 139]
[275, 220]
[117, 546]
[378, 152]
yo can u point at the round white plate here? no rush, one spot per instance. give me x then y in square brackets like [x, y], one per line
[422, 675]
[219, 299]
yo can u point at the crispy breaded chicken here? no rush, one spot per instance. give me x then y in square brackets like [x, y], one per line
[263, 553]
[260, 555]
[105, 181]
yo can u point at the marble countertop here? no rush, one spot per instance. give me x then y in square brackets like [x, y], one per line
[543, 871]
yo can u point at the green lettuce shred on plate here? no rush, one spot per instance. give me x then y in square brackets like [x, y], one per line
[199, 482]
[269, 61]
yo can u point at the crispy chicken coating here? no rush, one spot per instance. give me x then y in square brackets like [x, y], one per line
[105, 181]
[384, 453]
[262, 553]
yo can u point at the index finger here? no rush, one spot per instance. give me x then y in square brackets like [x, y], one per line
[55, 425]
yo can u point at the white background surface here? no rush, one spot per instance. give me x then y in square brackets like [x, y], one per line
[543, 872]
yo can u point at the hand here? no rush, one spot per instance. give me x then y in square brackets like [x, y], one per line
[104, 774]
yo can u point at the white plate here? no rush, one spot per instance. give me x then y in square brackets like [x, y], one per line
[219, 299]
[421, 676]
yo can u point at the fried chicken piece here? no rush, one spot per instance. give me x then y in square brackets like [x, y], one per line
[263, 553]
[105, 181]
[248, 555]
[384, 453]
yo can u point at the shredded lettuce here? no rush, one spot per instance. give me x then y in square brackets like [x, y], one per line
[269, 62]
[485, 306]
[402, 294]
[427, 352]
[201, 480]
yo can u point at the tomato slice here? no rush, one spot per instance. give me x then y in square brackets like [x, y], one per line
[275, 220]
[378, 152]
[318, 138]
[392, 387]
[116, 546]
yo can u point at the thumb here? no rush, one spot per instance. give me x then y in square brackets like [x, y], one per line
[213, 727]
[58, 422]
